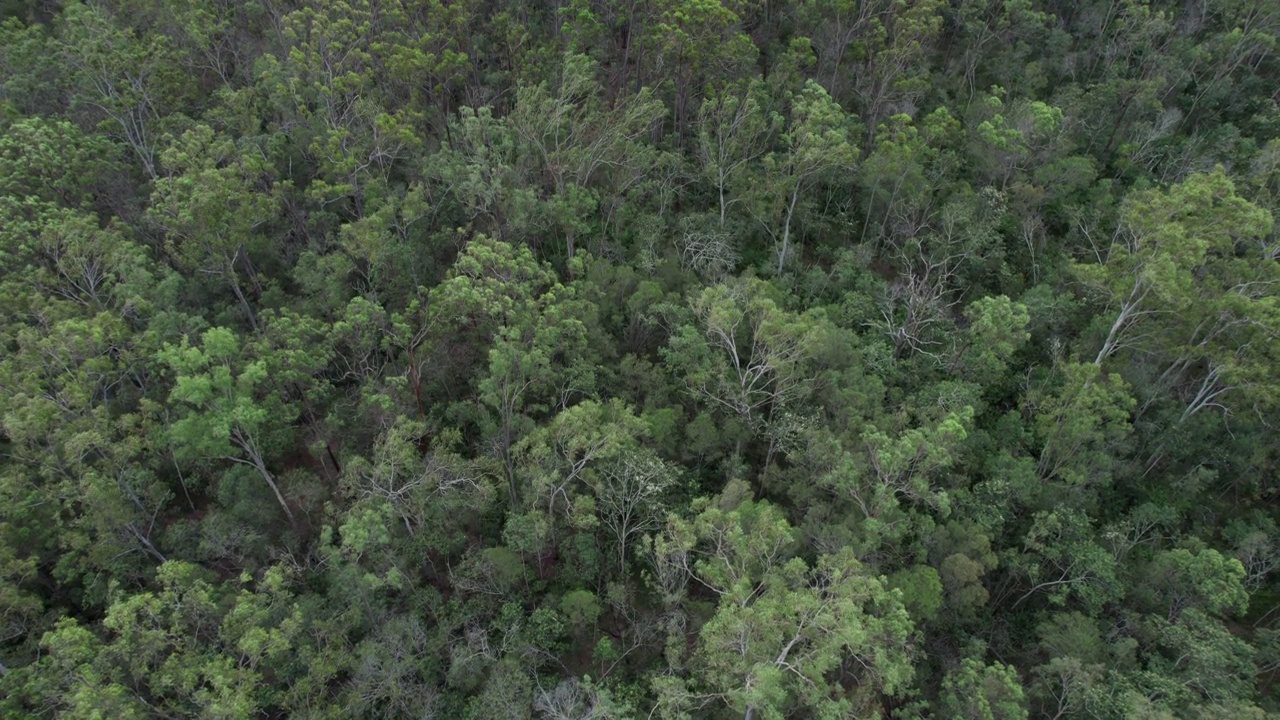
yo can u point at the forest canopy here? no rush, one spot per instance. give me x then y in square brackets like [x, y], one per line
[626, 359]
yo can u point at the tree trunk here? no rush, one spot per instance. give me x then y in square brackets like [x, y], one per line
[724, 210]
[786, 228]
[255, 459]
[146, 543]
[1127, 311]
[239, 292]
[415, 379]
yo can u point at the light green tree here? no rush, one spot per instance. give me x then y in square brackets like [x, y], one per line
[224, 413]
[697, 41]
[586, 148]
[977, 691]
[1081, 424]
[127, 82]
[733, 132]
[190, 648]
[1187, 277]
[742, 352]
[535, 332]
[816, 143]
[784, 632]
[211, 206]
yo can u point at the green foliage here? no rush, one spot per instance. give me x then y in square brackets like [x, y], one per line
[997, 329]
[816, 144]
[742, 353]
[1204, 579]
[191, 648]
[225, 415]
[1081, 426]
[983, 692]
[782, 628]
[921, 589]
[670, 359]
[587, 149]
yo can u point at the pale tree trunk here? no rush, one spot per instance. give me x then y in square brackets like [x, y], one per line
[510, 405]
[570, 235]
[244, 302]
[227, 269]
[786, 228]
[148, 546]
[1208, 394]
[782, 658]
[724, 209]
[1127, 312]
[257, 462]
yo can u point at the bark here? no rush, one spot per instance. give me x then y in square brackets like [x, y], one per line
[1127, 313]
[239, 292]
[786, 228]
[256, 461]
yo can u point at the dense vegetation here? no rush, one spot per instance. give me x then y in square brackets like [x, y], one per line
[639, 359]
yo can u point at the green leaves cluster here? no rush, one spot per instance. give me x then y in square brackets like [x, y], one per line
[669, 359]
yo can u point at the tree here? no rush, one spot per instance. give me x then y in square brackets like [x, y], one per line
[581, 144]
[1081, 426]
[429, 495]
[535, 332]
[901, 466]
[1179, 579]
[127, 81]
[226, 416]
[696, 40]
[786, 635]
[83, 499]
[480, 167]
[190, 648]
[322, 87]
[891, 73]
[1001, 33]
[815, 143]
[588, 465]
[902, 172]
[212, 209]
[578, 699]
[1063, 559]
[835, 28]
[733, 131]
[53, 161]
[1184, 279]
[629, 498]
[1014, 139]
[741, 351]
[997, 329]
[976, 691]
